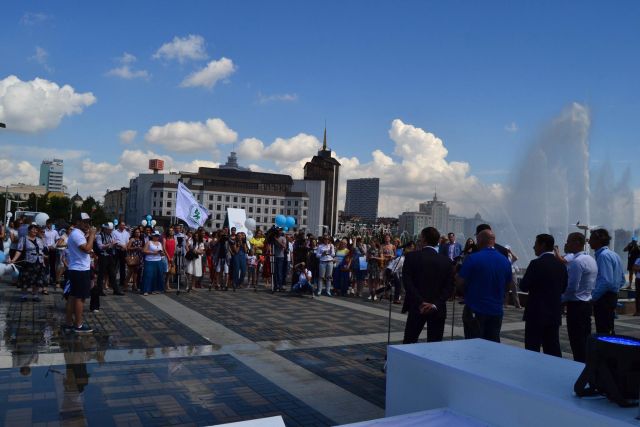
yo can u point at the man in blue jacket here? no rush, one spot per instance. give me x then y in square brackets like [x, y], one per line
[451, 249]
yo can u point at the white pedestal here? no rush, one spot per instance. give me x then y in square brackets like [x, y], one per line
[494, 383]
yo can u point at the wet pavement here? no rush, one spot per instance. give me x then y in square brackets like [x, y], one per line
[206, 357]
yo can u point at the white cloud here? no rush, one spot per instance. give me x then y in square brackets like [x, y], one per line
[127, 136]
[278, 97]
[211, 74]
[12, 172]
[511, 127]
[182, 49]
[250, 149]
[183, 136]
[34, 18]
[281, 150]
[41, 56]
[35, 105]
[126, 70]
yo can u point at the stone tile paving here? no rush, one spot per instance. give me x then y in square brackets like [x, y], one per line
[186, 391]
[262, 316]
[123, 322]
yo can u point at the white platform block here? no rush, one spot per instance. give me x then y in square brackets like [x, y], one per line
[431, 418]
[494, 383]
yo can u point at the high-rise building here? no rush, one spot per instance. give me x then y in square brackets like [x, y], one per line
[51, 172]
[438, 211]
[362, 198]
[323, 167]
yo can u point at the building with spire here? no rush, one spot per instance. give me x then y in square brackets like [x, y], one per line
[323, 167]
[432, 213]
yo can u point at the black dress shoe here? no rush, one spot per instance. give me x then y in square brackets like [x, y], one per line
[119, 293]
[102, 294]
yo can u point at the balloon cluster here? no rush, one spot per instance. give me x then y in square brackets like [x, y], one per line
[285, 222]
[149, 221]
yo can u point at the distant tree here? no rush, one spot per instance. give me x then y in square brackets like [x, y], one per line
[59, 208]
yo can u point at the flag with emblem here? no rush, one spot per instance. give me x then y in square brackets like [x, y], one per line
[188, 209]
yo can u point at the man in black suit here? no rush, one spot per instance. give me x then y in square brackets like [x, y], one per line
[546, 279]
[428, 281]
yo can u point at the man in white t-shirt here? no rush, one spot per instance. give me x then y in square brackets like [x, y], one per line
[51, 237]
[79, 246]
[121, 237]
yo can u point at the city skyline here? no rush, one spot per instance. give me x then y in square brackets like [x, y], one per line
[452, 104]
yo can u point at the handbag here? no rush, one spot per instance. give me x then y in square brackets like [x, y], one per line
[191, 255]
[132, 260]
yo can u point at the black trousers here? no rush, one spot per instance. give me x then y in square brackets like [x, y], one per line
[477, 325]
[53, 259]
[538, 335]
[415, 324]
[637, 294]
[579, 328]
[604, 311]
[107, 268]
[122, 267]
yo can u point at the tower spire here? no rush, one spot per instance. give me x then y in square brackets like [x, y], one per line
[324, 140]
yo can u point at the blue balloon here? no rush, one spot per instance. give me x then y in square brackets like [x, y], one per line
[115, 222]
[286, 228]
[281, 221]
[291, 221]
[3, 257]
[149, 218]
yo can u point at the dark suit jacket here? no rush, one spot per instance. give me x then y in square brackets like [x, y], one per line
[427, 277]
[546, 279]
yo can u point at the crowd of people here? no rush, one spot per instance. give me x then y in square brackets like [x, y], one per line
[88, 262]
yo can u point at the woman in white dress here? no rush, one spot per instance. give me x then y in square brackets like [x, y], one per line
[196, 246]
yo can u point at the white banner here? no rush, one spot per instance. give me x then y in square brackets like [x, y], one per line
[188, 209]
[237, 218]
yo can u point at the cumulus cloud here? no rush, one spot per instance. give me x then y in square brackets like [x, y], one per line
[41, 56]
[183, 136]
[126, 70]
[281, 150]
[12, 172]
[211, 74]
[278, 97]
[39, 104]
[127, 136]
[250, 149]
[182, 49]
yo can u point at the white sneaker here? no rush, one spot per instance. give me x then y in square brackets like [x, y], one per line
[369, 298]
[375, 298]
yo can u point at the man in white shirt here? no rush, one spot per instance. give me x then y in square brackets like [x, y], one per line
[79, 246]
[51, 237]
[121, 237]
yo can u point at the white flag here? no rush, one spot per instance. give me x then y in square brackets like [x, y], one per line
[188, 209]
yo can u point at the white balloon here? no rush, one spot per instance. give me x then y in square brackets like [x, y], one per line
[153, 222]
[250, 223]
[41, 219]
[144, 223]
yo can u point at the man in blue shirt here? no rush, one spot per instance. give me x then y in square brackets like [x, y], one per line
[582, 270]
[484, 275]
[608, 282]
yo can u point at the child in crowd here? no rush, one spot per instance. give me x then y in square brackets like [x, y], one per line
[252, 264]
[304, 279]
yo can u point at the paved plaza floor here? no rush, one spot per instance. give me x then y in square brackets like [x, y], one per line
[206, 357]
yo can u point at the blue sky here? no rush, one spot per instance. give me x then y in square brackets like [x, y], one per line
[483, 77]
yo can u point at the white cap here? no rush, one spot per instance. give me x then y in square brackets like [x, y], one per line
[84, 216]
[109, 226]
